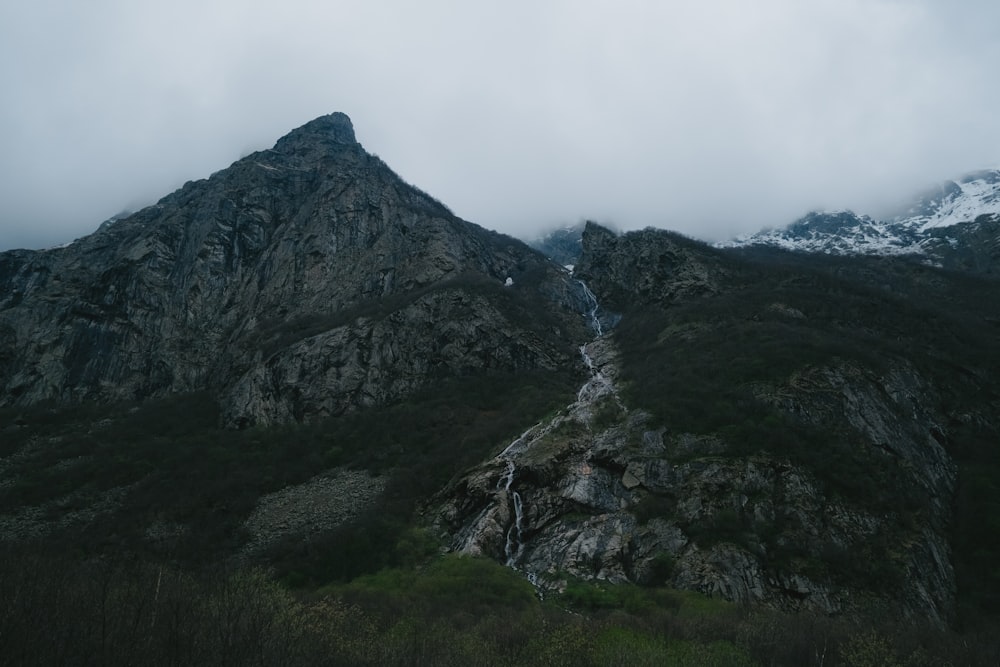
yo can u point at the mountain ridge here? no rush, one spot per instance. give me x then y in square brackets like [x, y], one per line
[807, 432]
[933, 227]
[302, 232]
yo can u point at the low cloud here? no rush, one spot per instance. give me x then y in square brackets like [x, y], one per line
[711, 118]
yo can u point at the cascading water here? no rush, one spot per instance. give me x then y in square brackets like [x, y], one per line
[512, 547]
[515, 544]
[595, 321]
[596, 385]
[504, 482]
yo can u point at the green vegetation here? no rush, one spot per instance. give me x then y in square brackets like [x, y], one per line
[607, 413]
[977, 526]
[731, 364]
[171, 464]
[474, 585]
[451, 611]
[373, 591]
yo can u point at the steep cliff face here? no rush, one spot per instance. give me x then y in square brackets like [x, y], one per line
[764, 443]
[973, 247]
[289, 283]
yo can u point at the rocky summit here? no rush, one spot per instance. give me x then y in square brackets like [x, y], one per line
[302, 281]
[304, 362]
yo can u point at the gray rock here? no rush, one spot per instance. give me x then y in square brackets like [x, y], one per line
[301, 281]
[752, 529]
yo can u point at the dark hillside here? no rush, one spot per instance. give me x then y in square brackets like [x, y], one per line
[774, 359]
[162, 480]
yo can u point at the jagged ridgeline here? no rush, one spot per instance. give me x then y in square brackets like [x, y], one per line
[303, 281]
[306, 363]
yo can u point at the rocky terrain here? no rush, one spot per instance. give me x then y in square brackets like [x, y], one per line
[319, 504]
[302, 358]
[606, 490]
[608, 494]
[284, 284]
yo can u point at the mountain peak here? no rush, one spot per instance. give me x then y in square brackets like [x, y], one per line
[334, 128]
[930, 227]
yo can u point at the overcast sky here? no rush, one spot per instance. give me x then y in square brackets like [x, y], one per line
[710, 117]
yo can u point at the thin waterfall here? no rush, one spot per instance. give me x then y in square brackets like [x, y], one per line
[595, 321]
[515, 544]
[514, 537]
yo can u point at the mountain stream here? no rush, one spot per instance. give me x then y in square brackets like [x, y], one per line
[596, 387]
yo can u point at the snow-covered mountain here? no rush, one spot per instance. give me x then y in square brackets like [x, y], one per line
[954, 202]
[937, 225]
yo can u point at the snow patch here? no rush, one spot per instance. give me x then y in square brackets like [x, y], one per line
[842, 232]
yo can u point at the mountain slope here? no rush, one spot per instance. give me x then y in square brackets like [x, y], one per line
[301, 281]
[786, 430]
[809, 432]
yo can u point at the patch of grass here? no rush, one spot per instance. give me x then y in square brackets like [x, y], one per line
[624, 646]
[447, 583]
[592, 596]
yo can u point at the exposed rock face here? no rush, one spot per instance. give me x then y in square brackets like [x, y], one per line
[290, 283]
[562, 245]
[550, 467]
[973, 247]
[604, 492]
[447, 332]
